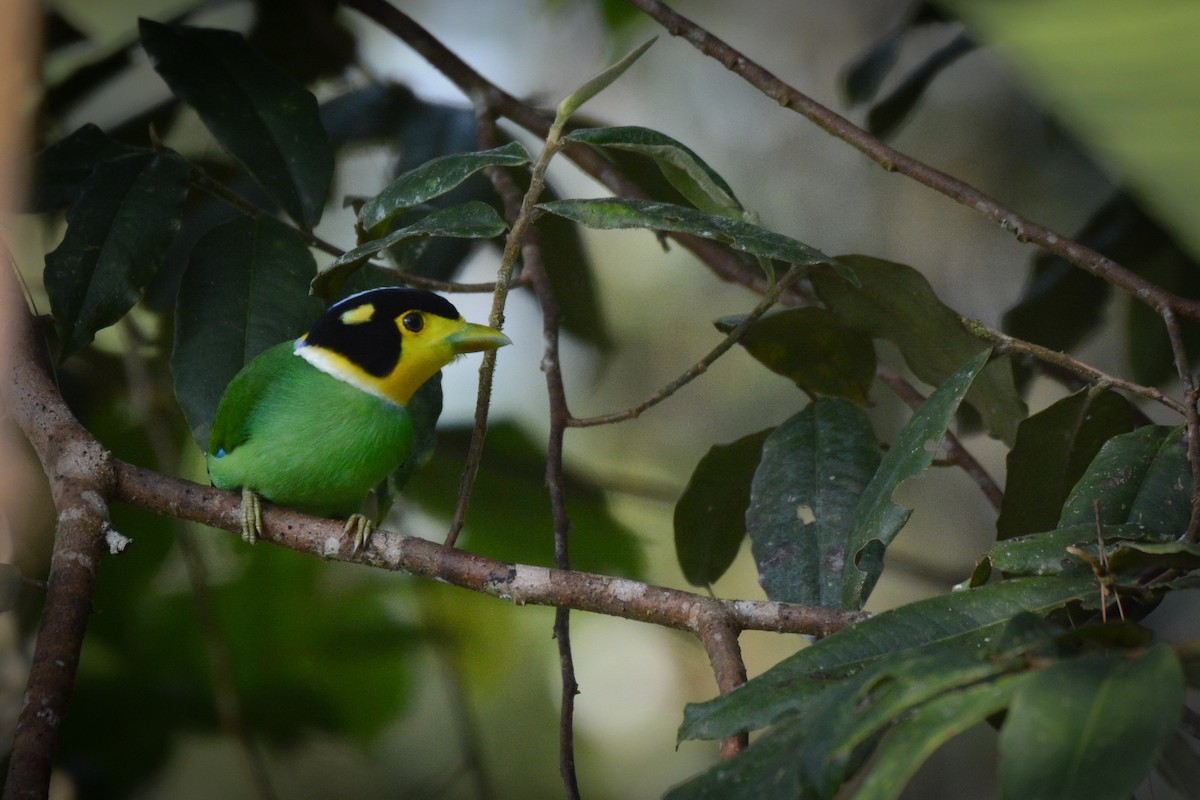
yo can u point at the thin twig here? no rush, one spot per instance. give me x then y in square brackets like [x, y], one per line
[892, 160]
[531, 252]
[1008, 344]
[508, 261]
[701, 366]
[1191, 396]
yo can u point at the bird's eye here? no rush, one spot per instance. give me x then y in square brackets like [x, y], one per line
[413, 322]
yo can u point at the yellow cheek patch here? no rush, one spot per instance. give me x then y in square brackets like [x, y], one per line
[358, 315]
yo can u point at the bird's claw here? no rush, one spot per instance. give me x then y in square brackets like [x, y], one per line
[360, 527]
[252, 526]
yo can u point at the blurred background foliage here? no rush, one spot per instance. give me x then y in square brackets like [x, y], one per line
[356, 684]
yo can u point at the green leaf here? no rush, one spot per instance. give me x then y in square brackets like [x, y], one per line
[471, 220]
[61, 169]
[812, 348]
[1090, 728]
[896, 303]
[710, 516]
[245, 289]
[433, 179]
[1046, 553]
[968, 618]
[877, 519]
[1141, 477]
[1052, 450]
[117, 233]
[571, 103]
[10, 586]
[270, 124]
[918, 734]
[685, 170]
[813, 472]
[1123, 86]
[816, 749]
[622, 212]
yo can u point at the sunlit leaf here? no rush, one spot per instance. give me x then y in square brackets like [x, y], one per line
[269, 123]
[710, 516]
[117, 233]
[814, 469]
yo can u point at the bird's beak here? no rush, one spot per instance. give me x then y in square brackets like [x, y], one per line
[475, 338]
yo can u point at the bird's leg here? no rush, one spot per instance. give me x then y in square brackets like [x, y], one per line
[252, 526]
[360, 527]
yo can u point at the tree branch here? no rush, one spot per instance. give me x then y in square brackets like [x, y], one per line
[892, 160]
[81, 482]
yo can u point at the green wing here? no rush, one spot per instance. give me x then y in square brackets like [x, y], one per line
[244, 393]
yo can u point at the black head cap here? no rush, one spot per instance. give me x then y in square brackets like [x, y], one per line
[362, 327]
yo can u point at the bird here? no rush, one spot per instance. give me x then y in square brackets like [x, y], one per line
[316, 423]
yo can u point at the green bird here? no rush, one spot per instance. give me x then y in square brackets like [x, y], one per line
[316, 423]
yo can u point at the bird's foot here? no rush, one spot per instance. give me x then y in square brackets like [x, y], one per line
[252, 526]
[360, 527]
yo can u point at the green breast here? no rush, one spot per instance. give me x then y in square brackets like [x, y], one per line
[302, 438]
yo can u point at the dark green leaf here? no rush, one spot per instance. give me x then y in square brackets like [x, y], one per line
[916, 735]
[685, 170]
[818, 747]
[433, 179]
[895, 302]
[812, 348]
[814, 469]
[1090, 728]
[510, 515]
[877, 519]
[472, 220]
[966, 618]
[710, 516]
[117, 233]
[1046, 553]
[866, 74]
[1141, 477]
[270, 124]
[1052, 450]
[245, 289]
[61, 169]
[620, 212]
